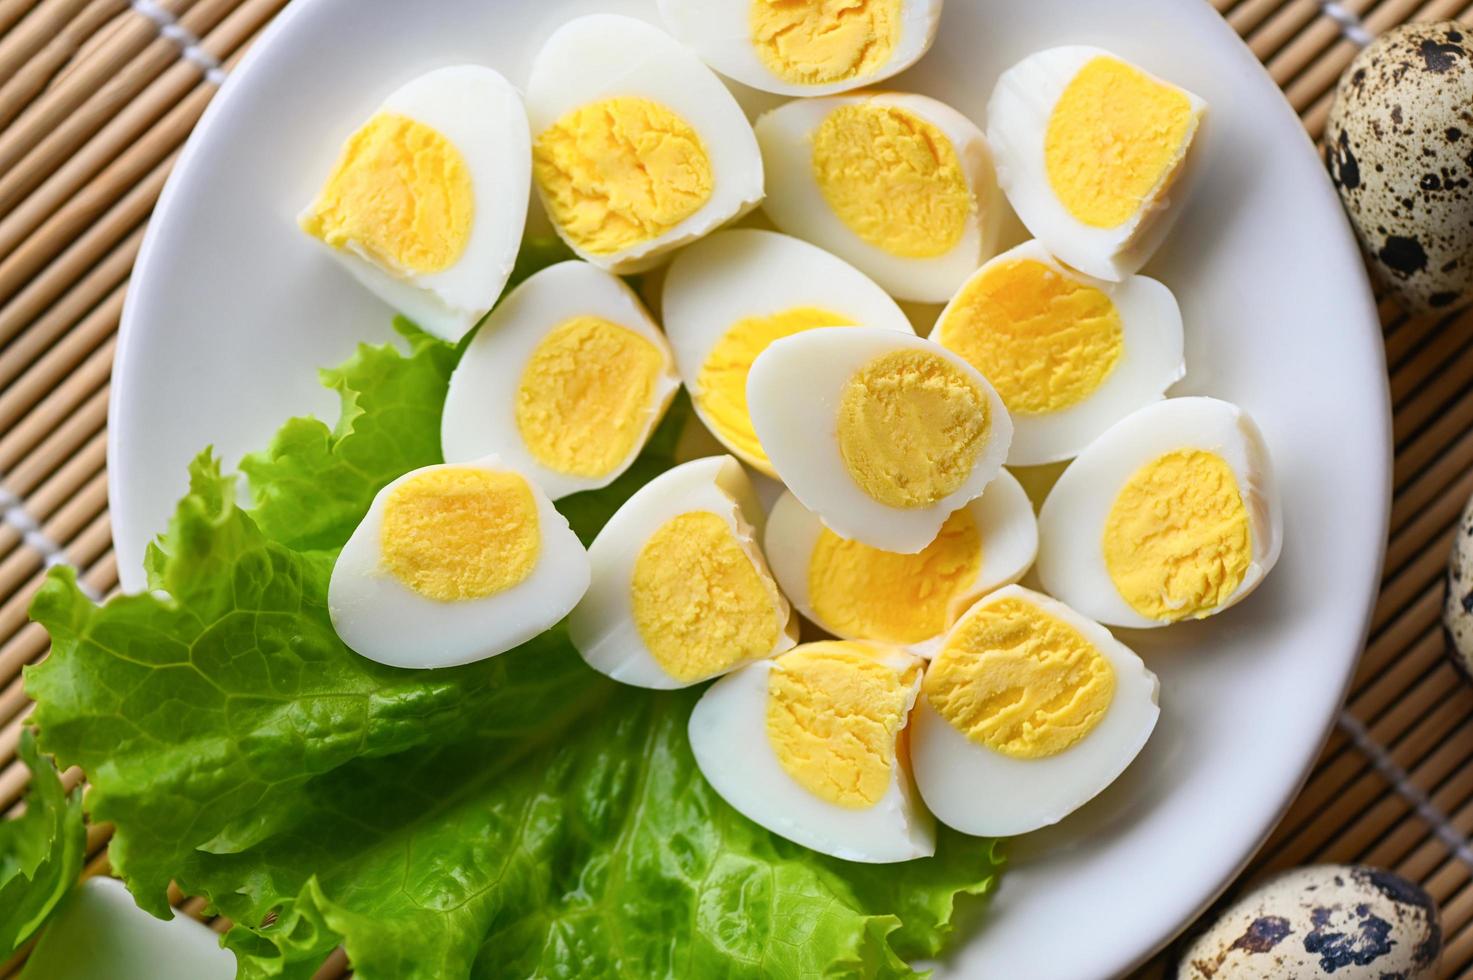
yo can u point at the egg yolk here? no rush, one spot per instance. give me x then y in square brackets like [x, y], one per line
[1019, 681]
[857, 590]
[893, 178]
[400, 195]
[814, 42]
[460, 533]
[833, 714]
[1177, 540]
[700, 602]
[722, 382]
[621, 171]
[911, 426]
[1045, 341]
[586, 396]
[1114, 141]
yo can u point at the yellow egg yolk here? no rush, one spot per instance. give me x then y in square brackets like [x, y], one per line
[1114, 141]
[857, 590]
[722, 383]
[834, 712]
[400, 195]
[893, 178]
[1177, 541]
[460, 533]
[911, 426]
[620, 172]
[1019, 681]
[586, 396]
[700, 602]
[1045, 341]
[814, 42]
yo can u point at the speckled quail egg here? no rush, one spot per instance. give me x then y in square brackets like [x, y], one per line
[1457, 610]
[1399, 148]
[1343, 921]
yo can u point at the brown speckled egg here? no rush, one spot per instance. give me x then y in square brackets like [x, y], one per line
[1457, 606]
[1338, 921]
[1399, 147]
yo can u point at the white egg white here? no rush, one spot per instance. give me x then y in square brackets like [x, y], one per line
[794, 392]
[602, 627]
[383, 619]
[728, 736]
[479, 113]
[1017, 123]
[1151, 361]
[604, 56]
[1071, 524]
[1005, 523]
[976, 790]
[720, 32]
[749, 272]
[480, 405]
[796, 204]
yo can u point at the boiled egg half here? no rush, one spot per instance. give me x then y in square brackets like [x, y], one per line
[1027, 712]
[565, 381]
[455, 563]
[1093, 153]
[638, 148]
[1069, 355]
[1172, 514]
[729, 296]
[880, 433]
[899, 185]
[810, 745]
[426, 203]
[680, 590]
[858, 592]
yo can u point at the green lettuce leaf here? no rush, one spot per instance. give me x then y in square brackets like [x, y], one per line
[41, 852]
[522, 816]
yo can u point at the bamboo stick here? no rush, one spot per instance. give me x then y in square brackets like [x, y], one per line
[12, 11]
[84, 381]
[23, 86]
[45, 20]
[62, 441]
[69, 351]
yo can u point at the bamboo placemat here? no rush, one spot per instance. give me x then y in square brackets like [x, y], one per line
[96, 98]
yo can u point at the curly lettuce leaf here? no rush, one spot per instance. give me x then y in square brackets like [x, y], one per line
[519, 816]
[41, 851]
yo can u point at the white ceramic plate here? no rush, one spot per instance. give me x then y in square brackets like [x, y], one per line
[232, 310]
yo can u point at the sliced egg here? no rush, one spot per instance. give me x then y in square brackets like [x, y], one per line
[637, 147]
[810, 746]
[680, 591]
[1069, 355]
[811, 47]
[455, 563]
[1027, 712]
[883, 435]
[1172, 514]
[727, 297]
[426, 203]
[1094, 155]
[861, 593]
[899, 185]
[565, 381]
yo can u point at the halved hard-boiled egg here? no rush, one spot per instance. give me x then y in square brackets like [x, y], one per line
[455, 563]
[1172, 514]
[680, 591]
[811, 746]
[565, 381]
[1027, 712]
[899, 185]
[1093, 153]
[880, 433]
[637, 147]
[426, 203]
[1069, 355]
[728, 297]
[858, 592]
[805, 47]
